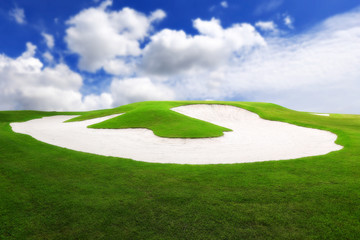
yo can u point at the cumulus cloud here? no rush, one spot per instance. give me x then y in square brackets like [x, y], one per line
[30, 51]
[100, 36]
[268, 26]
[26, 84]
[48, 57]
[105, 4]
[18, 14]
[157, 15]
[49, 39]
[120, 67]
[172, 52]
[317, 70]
[104, 100]
[130, 90]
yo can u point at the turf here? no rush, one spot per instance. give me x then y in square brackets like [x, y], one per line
[158, 117]
[47, 192]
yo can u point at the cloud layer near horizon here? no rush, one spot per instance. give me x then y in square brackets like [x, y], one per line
[317, 70]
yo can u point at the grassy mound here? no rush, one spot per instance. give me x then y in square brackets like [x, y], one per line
[47, 192]
[158, 117]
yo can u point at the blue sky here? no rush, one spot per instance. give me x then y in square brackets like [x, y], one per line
[90, 54]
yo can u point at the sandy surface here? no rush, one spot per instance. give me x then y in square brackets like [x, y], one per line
[253, 139]
[322, 114]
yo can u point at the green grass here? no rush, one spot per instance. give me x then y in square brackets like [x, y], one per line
[157, 117]
[47, 192]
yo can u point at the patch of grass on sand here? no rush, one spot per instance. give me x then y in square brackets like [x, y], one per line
[158, 117]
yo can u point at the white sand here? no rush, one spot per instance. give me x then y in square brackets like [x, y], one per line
[253, 139]
[321, 114]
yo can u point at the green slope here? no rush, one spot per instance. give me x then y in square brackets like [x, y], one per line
[158, 117]
[47, 192]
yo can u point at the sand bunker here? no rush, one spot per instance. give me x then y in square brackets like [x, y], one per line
[321, 114]
[253, 139]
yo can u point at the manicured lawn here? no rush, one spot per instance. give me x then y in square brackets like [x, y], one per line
[47, 192]
[158, 117]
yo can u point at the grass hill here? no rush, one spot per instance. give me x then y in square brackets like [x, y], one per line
[47, 192]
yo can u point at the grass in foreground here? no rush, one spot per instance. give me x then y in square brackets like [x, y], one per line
[47, 192]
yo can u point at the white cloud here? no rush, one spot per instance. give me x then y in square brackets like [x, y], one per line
[315, 71]
[120, 67]
[49, 40]
[104, 100]
[288, 21]
[224, 4]
[157, 15]
[105, 4]
[18, 14]
[130, 90]
[48, 57]
[99, 35]
[172, 52]
[26, 84]
[268, 26]
[211, 28]
[30, 51]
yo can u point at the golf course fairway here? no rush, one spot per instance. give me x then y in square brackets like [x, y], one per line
[251, 138]
[49, 192]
